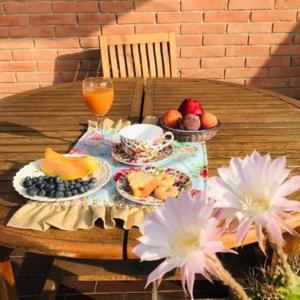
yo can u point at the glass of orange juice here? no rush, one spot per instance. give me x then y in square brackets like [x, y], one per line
[98, 94]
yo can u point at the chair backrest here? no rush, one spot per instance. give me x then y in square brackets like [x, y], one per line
[139, 55]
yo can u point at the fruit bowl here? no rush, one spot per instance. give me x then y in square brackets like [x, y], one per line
[201, 135]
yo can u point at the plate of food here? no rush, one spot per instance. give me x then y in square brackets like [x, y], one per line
[152, 185]
[61, 177]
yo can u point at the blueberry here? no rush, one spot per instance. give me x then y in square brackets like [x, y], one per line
[59, 194]
[27, 183]
[74, 192]
[68, 194]
[50, 194]
[78, 184]
[81, 190]
[93, 180]
[42, 193]
[41, 185]
[27, 178]
[52, 186]
[51, 180]
[60, 187]
[32, 191]
[91, 185]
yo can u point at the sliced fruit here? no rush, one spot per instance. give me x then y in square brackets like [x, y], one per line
[55, 164]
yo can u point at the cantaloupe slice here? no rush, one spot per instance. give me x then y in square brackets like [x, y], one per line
[69, 168]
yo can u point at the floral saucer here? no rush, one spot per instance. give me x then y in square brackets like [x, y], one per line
[121, 156]
[182, 182]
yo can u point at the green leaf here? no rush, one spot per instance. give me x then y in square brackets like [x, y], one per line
[294, 294]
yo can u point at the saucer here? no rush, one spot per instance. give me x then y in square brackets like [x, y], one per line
[120, 155]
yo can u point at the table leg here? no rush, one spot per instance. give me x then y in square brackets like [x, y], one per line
[7, 279]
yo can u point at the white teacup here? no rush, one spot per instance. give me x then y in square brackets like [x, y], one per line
[144, 140]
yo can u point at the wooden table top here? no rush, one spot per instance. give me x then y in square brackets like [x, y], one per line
[55, 116]
[251, 119]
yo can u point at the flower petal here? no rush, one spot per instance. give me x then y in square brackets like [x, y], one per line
[274, 231]
[242, 230]
[289, 186]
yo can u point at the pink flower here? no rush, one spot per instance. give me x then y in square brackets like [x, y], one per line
[254, 190]
[185, 233]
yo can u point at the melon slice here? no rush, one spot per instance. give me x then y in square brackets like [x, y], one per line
[66, 167]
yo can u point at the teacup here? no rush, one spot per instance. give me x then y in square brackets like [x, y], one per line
[144, 140]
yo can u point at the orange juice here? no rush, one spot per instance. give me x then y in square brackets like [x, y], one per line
[99, 100]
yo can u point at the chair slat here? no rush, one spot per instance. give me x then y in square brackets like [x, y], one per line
[129, 61]
[166, 59]
[113, 61]
[151, 59]
[104, 56]
[173, 55]
[144, 61]
[122, 65]
[158, 60]
[137, 62]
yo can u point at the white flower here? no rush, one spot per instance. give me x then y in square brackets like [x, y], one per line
[185, 233]
[254, 190]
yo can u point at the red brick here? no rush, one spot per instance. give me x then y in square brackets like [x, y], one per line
[259, 62]
[188, 63]
[4, 32]
[157, 28]
[16, 44]
[113, 29]
[74, 7]
[286, 27]
[16, 66]
[35, 77]
[5, 55]
[285, 50]
[96, 19]
[34, 54]
[246, 73]
[268, 82]
[1, 9]
[251, 4]
[157, 5]
[222, 62]
[270, 39]
[227, 16]
[247, 51]
[249, 28]
[27, 7]
[202, 51]
[56, 43]
[20, 32]
[84, 30]
[295, 61]
[14, 20]
[284, 72]
[274, 15]
[287, 4]
[204, 73]
[53, 20]
[12, 88]
[203, 4]
[297, 39]
[89, 42]
[294, 82]
[225, 40]
[115, 6]
[63, 65]
[179, 17]
[136, 18]
[7, 77]
[188, 40]
[203, 28]
[69, 54]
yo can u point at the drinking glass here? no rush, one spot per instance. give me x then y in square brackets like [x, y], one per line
[98, 94]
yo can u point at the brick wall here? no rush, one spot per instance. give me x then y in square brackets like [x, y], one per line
[245, 41]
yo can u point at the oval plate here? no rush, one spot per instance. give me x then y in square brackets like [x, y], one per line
[103, 175]
[182, 181]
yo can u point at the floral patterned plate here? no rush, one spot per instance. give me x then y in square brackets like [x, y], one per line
[182, 181]
[121, 156]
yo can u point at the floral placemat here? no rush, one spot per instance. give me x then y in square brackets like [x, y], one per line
[107, 204]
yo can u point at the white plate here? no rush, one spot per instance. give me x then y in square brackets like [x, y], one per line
[102, 175]
[182, 181]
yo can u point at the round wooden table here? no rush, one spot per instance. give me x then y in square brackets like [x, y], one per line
[56, 116]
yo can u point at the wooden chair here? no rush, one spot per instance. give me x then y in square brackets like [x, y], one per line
[139, 55]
